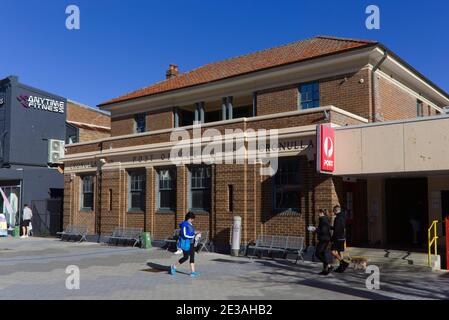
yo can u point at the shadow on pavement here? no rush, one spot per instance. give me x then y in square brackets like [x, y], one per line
[392, 281]
[159, 268]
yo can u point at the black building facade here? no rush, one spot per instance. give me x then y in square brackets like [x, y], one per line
[32, 135]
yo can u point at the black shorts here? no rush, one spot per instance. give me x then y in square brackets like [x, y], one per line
[26, 223]
[338, 245]
[188, 254]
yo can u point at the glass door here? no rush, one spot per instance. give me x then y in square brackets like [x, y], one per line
[10, 208]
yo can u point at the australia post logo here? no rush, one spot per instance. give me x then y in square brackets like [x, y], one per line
[40, 103]
[326, 148]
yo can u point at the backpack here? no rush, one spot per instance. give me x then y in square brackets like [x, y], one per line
[184, 244]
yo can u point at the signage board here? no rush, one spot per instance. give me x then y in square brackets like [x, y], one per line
[325, 149]
[41, 103]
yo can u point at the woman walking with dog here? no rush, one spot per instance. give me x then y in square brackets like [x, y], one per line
[186, 243]
[324, 236]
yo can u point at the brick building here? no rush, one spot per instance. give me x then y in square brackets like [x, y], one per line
[34, 126]
[85, 123]
[129, 179]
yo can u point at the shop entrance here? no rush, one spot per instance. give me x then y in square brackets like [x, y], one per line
[11, 191]
[406, 212]
[356, 212]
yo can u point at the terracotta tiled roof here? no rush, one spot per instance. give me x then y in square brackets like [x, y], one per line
[265, 59]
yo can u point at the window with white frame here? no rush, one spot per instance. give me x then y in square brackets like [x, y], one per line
[200, 188]
[136, 194]
[309, 95]
[140, 122]
[87, 193]
[166, 186]
[287, 186]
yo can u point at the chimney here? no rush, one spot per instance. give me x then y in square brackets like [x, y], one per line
[172, 72]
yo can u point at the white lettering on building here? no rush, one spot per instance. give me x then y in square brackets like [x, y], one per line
[46, 104]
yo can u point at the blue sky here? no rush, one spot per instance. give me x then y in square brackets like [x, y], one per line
[126, 45]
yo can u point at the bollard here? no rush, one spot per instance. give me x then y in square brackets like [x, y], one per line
[236, 236]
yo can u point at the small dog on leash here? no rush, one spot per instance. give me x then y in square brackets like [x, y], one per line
[359, 262]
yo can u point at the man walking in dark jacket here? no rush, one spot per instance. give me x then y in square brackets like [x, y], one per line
[324, 236]
[339, 238]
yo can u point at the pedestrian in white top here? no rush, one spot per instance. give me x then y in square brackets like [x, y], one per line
[26, 220]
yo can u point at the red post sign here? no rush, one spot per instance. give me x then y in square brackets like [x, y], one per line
[326, 149]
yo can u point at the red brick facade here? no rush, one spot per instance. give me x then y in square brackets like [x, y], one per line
[351, 92]
[277, 100]
[252, 201]
[92, 124]
[276, 108]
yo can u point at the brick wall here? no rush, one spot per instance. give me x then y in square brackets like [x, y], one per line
[86, 119]
[343, 120]
[277, 100]
[226, 175]
[154, 121]
[395, 103]
[252, 201]
[87, 115]
[122, 126]
[316, 191]
[112, 198]
[72, 209]
[348, 93]
[69, 194]
[160, 120]
[89, 135]
[83, 148]
[276, 123]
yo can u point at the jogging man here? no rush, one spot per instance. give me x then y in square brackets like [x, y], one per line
[187, 244]
[339, 238]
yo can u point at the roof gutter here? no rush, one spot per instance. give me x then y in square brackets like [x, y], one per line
[373, 86]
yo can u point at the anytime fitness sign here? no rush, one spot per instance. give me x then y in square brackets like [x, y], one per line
[326, 149]
[40, 103]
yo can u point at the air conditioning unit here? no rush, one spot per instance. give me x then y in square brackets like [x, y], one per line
[446, 110]
[55, 151]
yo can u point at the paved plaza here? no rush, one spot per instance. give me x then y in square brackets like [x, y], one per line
[36, 269]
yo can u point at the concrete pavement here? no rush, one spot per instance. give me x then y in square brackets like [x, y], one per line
[36, 269]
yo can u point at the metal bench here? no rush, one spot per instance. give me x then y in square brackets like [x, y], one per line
[204, 242]
[296, 245]
[283, 244]
[172, 240]
[77, 231]
[125, 234]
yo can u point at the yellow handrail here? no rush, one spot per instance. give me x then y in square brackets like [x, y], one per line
[433, 241]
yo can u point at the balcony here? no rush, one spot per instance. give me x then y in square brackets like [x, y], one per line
[285, 120]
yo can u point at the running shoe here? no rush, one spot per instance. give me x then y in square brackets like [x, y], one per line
[172, 270]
